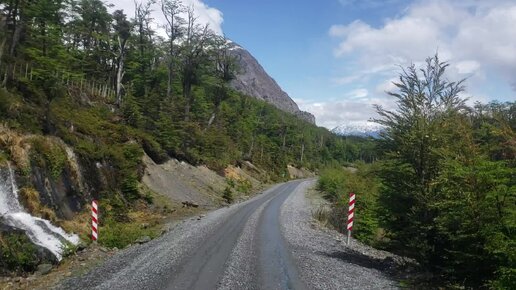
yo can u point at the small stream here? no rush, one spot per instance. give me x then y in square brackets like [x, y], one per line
[40, 231]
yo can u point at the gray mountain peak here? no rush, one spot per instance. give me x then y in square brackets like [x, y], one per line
[254, 81]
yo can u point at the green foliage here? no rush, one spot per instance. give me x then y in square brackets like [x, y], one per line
[337, 183]
[227, 195]
[68, 249]
[173, 99]
[448, 185]
[49, 155]
[17, 253]
[244, 186]
[121, 234]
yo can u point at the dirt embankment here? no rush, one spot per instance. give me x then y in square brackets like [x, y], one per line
[298, 173]
[182, 182]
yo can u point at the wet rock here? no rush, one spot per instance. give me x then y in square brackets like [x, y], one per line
[81, 246]
[44, 269]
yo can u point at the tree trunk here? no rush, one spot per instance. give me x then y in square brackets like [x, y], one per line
[169, 84]
[210, 121]
[120, 72]
[302, 152]
[170, 69]
[251, 148]
[188, 99]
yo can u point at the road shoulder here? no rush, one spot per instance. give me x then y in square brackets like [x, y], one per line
[325, 262]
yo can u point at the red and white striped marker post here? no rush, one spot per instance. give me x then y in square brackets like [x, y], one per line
[94, 220]
[351, 214]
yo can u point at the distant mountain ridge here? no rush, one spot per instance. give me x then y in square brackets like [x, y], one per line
[359, 128]
[254, 81]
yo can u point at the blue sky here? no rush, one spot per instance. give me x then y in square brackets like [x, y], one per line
[336, 58]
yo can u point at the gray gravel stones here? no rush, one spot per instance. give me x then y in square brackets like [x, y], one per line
[319, 255]
[325, 262]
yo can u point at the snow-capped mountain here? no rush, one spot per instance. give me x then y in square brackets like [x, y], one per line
[359, 128]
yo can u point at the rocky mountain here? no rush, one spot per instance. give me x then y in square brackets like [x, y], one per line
[359, 128]
[254, 81]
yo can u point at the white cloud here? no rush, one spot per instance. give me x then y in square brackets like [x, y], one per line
[356, 106]
[360, 76]
[358, 94]
[467, 66]
[205, 14]
[386, 86]
[475, 36]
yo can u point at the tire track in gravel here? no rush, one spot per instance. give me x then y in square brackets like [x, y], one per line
[196, 254]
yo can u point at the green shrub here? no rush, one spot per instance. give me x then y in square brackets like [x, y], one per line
[227, 195]
[68, 249]
[17, 253]
[244, 186]
[336, 184]
[129, 188]
[48, 155]
[118, 234]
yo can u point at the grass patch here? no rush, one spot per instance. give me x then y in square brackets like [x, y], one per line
[29, 198]
[322, 214]
[47, 154]
[119, 235]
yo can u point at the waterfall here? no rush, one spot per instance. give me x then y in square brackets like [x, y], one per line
[40, 231]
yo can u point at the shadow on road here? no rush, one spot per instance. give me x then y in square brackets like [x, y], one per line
[359, 259]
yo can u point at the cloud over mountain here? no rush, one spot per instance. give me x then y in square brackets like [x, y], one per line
[205, 14]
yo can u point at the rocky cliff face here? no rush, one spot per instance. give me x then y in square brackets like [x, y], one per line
[254, 81]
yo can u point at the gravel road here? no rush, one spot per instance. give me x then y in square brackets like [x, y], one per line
[268, 242]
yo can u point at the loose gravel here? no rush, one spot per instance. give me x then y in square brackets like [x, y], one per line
[146, 266]
[324, 260]
[319, 256]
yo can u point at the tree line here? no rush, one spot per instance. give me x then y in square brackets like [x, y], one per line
[173, 86]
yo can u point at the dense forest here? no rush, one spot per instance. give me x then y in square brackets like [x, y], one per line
[444, 190]
[98, 79]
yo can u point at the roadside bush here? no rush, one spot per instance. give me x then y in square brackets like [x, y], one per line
[244, 186]
[117, 234]
[227, 195]
[336, 184]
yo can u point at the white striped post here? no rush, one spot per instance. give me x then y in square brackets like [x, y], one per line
[351, 214]
[94, 220]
